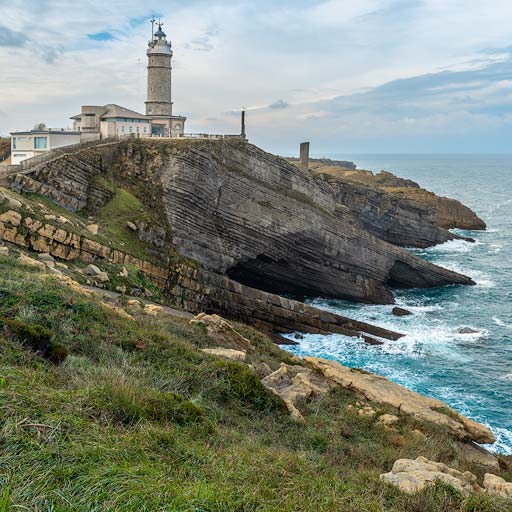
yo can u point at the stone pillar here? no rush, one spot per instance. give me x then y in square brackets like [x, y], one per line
[304, 156]
[242, 133]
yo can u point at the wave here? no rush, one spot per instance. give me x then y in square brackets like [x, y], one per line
[453, 246]
[501, 323]
[481, 279]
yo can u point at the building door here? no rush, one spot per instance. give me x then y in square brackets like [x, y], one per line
[158, 130]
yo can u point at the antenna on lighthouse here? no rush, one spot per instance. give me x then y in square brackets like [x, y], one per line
[153, 21]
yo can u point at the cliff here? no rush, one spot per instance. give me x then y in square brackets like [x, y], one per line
[398, 210]
[5, 148]
[243, 213]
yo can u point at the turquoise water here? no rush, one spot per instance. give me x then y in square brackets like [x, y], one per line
[470, 372]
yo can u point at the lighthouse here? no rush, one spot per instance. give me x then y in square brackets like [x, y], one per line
[159, 88]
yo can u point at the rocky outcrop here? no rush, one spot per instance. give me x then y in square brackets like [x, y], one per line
[223, 332]
[406, 216]
[412, 476]
[246, 214]
[226, 353]
[380, 390]
[497, 486]
[294, 384]
[193, 289]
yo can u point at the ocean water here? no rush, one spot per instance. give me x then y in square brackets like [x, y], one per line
[470, 372]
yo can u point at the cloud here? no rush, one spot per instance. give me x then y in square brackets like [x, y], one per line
[9, 37]
[279, 105]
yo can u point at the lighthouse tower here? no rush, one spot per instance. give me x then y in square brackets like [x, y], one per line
[159, 99]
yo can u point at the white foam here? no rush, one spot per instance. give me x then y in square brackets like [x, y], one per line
[481, 279]
[453, 246]
[501, 323]
[507, 377]
[503, 442]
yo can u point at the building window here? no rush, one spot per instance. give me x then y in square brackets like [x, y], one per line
[14, 143]
[131, 129]
[122, 128]
[40, 143]
[145, 129]
[138, 129]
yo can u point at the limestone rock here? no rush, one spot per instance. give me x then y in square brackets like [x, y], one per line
[50, 217]
[31, 262]
[497, 486]
[226, 353]
[475, 454]
[380, 390]
[102, 277]
[134, 305]
[14, 203]
[366, 411]
[295, 383]
[223, 332]
[401, 312]
[92, 228]
[123, 272]
[11, 217]
[121, 289]
[4, 251]
[152, 310]
[412, 476]
[387, 420]
[92, 270]
[46, 258]
[130, 225]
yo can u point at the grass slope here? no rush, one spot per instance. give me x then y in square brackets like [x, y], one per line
[138, 419]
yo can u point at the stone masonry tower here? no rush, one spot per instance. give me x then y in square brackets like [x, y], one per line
[159, 102]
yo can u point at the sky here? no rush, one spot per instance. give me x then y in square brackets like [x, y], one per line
[350, 76]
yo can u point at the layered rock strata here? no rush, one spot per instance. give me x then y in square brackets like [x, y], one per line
[193, 289]
[246, 214]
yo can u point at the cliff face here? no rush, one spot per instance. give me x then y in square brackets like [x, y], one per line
[244, 213]
[398, 210]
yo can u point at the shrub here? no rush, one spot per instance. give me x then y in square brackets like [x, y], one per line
[35, 335]
[245, 385]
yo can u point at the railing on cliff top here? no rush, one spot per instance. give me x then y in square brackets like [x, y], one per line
[54, 154]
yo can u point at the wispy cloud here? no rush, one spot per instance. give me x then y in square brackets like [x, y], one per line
[10, 37]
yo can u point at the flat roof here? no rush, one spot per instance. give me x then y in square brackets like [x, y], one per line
[46, 132]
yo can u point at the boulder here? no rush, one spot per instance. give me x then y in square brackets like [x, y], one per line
[46, 258]
[134, 306]
[4, 251]
[223, 332]
[226, 353]
[401, 312]
[467, 330]
[121, 289]
[382, 391]
[131, 226]
[92, 270]
[14, 203]
[152, 310]
[497, 486]
[387, 420]
[295, 383]
[412, 476]
[92, 228]
[10, 217]
[474, 454]
[31, 262]
[123, 272]
[102, 277]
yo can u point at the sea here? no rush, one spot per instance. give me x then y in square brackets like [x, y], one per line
[470, 372]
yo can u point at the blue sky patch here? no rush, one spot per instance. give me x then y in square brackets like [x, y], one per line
[101, 36]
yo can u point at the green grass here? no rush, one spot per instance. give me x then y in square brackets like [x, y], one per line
[138, 419]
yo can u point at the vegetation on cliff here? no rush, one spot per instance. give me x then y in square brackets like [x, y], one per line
[136, 417]
[5, 148]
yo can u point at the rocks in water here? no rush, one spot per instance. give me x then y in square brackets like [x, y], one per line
[298, 336]
[223, 332]
[401, 312]
[293, 384]
[467, 330]
[497, 486]
[412, 476]
[92, 228]
[226, 353]
[475, 454]
[382, 391]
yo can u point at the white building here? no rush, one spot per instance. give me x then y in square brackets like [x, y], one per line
[27, 144]
[114, 120]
